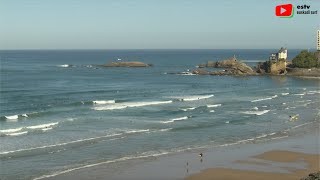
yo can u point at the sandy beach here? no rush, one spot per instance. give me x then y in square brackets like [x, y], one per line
[284, 158]
[311, 160]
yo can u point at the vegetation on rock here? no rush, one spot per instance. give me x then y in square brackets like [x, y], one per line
[305, 59]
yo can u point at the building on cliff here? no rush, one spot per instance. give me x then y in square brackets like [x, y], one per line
[277, 62]
[282, 54]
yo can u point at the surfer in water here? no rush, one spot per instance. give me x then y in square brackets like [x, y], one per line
[294, 118]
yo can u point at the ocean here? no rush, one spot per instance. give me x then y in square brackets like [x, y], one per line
[59, 112]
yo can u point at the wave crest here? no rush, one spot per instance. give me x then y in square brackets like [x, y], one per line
[263, 99]
[192, 98]
[130, 104]
[176, 119]
[258, 113]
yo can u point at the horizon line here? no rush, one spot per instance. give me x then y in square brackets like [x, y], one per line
[100, 49]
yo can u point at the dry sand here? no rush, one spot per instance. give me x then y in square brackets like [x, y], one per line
[313, 161]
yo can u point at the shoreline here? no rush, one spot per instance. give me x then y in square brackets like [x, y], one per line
[297, 165]
[181, 165]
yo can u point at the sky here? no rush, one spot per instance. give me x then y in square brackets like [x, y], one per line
[154, 24]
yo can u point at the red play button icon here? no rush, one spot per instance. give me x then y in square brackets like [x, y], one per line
[284, 10]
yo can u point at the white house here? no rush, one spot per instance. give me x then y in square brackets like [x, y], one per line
[283, 53]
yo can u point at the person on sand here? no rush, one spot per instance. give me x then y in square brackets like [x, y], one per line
[201, 156]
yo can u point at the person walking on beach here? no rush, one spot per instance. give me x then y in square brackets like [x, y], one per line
[201, 156]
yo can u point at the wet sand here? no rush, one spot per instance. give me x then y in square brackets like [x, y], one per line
[285, 158]
[312, 162]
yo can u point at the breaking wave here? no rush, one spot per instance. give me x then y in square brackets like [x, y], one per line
[301, 94]
[22, 130]
[176, 119]
[256, 112]
[188, 109]
[129, 104]
[104, 102]
[17, 116]
[192, 98]
[41, 126]
[123, 132]
[65, 65]
[17, 133]
[13, 117]
[263, 99]
[10, 130]
[213, 105]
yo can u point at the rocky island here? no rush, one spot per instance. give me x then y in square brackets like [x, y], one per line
[126, 64]
[231, 67]
[304, 64]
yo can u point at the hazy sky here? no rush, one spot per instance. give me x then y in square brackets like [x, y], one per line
[154, 24]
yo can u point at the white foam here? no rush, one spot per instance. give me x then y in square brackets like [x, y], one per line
[13, 117]
[212, 111]
[318, 92]
[65, 65]
[280, 137]
[271, 134]
[262, 136]
[17, 133]
[300, 125]
[213, 105]
[10, 130]
[164, 130]
[193, 98]
[176, 119]
[104, 102]
[255, 108]
[227, 122]
[245, 140]
[256, 112]
[137, 131]
[24, 115]
[229, 144]
[110, 107]
[284, 94]
[60, 144]
[263, 99]
[301, 94]
[188, 109]
[130, 104]
[41, 126]
[46, 129]
[180, 118]
[144, 155]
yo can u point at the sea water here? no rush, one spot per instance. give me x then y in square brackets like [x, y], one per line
[60, 112]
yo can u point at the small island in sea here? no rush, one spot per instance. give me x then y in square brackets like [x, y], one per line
[126, 64]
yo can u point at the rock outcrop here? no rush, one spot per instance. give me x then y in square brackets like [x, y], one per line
[220, 64]
[232, 65]
[126, 64]
[200, 72]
